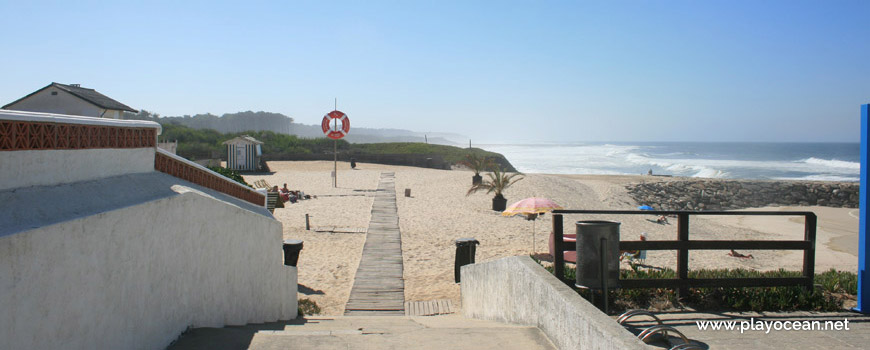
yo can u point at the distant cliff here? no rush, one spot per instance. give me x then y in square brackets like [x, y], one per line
[236, 122]
[371, 135]
[282, 124]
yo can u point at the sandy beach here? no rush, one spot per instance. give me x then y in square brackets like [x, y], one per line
[438, 212]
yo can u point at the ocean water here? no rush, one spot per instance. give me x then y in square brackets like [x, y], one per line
[785, 161]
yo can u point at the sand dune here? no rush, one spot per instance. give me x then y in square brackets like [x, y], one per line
[439, 212]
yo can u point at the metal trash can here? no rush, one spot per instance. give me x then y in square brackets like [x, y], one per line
[595, 238]
[465, 248]
[292, 247]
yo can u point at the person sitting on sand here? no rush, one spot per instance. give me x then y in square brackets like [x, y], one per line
[738, 255]
[662, 220]
[291, 196]
[283, 193]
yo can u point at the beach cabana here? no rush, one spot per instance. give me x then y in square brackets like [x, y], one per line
[243, 153]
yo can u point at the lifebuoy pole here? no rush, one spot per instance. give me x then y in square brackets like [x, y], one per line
[335, 160]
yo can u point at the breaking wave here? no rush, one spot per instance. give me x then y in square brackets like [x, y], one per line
[741, 161]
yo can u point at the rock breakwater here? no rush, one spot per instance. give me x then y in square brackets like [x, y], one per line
[693, 194]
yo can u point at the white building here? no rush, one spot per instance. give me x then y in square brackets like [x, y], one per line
[70, 99]
[107, 242]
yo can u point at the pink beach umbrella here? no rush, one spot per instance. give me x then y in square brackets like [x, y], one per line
[531, 207]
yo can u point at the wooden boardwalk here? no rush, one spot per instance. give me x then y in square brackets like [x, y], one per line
[378, 287]
[429, 308]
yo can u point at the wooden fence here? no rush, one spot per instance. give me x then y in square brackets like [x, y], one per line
[683, 245]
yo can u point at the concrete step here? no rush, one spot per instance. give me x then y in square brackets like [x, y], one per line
[369, 332]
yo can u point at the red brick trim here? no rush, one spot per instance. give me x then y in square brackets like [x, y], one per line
[184, 171]
[16, 135]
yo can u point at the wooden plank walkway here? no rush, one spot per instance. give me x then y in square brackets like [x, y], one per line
[336, 229]
[429, 308]
[378, 286]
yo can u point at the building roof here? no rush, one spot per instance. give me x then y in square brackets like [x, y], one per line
[243, 139]
[89, 95]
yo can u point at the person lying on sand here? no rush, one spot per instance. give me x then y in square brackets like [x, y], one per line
[738, 255]
[662, 220]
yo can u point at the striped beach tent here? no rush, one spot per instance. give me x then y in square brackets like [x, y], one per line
[243, 153]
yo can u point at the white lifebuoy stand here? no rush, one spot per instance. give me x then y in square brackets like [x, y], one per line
[335, 132]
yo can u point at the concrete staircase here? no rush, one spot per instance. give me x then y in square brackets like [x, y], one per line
[368, 332]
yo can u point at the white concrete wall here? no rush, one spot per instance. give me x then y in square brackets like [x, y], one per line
[171, 147]
[51, 167]
[137, 276]
[518, 290]
[62, 103]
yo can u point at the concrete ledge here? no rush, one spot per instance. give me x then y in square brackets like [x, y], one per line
[41, 117]
[518, 290]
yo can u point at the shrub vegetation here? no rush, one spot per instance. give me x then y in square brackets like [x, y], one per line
[308, 307]
[827, 296]
[206, 143]
[231, 174]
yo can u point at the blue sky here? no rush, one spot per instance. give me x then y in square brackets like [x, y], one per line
[501, 71]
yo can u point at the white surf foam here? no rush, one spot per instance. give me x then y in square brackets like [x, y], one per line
[636, 159]
[832, 163]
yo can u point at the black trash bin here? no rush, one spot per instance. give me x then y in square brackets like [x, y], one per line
[465, 248]
[292, 247]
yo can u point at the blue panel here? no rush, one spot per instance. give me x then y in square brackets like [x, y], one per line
[863, 282]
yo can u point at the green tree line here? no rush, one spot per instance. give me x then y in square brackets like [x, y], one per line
[204, 143]
[207, 143]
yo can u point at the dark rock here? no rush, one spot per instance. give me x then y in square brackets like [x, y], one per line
[692, 194]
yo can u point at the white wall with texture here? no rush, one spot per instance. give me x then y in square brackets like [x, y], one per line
[137, 276]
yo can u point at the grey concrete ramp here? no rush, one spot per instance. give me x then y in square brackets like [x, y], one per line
[360, 332]
[379, 287]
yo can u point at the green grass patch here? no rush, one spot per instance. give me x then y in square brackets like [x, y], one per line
[838, 282]
[827, 296]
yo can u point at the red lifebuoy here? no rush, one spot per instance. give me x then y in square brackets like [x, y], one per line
[327, 120]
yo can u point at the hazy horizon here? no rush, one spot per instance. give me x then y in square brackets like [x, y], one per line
[498, 72]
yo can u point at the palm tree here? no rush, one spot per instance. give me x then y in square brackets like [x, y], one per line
[477, 164]
[497, 182]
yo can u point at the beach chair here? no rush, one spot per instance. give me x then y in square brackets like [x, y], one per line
[262, 184]
[641, 257]
[568, 238]
[635, 258]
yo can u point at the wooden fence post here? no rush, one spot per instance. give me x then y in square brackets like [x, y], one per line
[809, 270]
[682, 253]
[558, 254]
